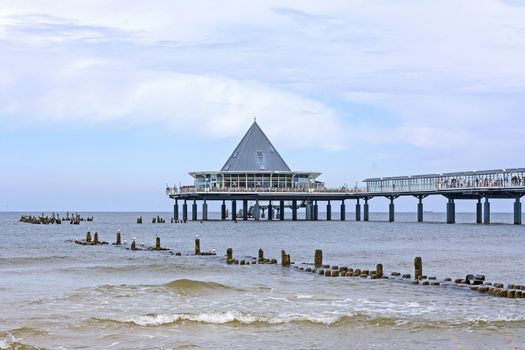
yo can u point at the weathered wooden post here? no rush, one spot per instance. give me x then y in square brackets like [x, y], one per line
[118, 242]
[157, 242]
[88, 237]
[133, 245]
[95, 238]
[379, 271]
[197, 246]
[318, 259]
[229, 255]
[418, 267]
[286, 260]
[261, 256]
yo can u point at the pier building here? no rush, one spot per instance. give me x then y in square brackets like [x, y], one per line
[255, 165]
[257, 175]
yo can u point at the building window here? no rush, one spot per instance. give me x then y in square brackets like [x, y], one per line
[259, 154]
[262, 167]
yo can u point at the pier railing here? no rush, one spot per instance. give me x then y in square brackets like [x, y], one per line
[437, 187]
[191, 189]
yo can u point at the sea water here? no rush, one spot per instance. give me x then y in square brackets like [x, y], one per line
[56, 294]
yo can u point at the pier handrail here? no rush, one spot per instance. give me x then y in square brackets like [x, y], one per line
[437, 187]
[193, 189]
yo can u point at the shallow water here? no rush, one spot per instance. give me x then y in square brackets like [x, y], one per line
[56, 294]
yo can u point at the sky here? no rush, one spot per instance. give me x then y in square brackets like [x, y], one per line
[103, 102]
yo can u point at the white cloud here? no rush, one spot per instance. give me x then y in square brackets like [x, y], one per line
[90, 91]
[445, 74]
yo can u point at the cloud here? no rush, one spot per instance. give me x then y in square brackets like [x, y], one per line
[438, 76]
[78, 89]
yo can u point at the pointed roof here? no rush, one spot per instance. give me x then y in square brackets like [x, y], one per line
[255, 152]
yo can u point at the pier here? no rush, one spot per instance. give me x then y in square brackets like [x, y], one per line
[257, 177]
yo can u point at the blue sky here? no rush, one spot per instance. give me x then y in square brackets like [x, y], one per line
[104, 102]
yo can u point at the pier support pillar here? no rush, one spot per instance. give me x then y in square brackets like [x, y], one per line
[281, 210]
[176, 211]
[245, 210]
[185, 211]
[391, 210]
[294, 210]
[270, 211]
[517, 212]
[194, 210]
[328, 211]
[316, 211]
[487, 211]
[223, 210]
[365, 210]
[308, 212]
[357, 211]
[256, 211]
[451, 211]
[420, 209]
[204, 211]
[343, 211]
[479, 212]
[234, 210]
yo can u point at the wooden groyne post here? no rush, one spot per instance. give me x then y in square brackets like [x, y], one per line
[229, 255]
[285, 259]
[418, 267]
[379, 271]
[197, 246]
[318, 259]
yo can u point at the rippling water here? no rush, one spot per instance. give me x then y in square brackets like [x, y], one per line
[56, 294]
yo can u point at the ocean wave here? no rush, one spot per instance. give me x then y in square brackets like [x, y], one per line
[8, 342]
[225, 317]
[27, 331]
[26, 260]
[193, 286]
[138, 268]
[323, 319]
[180, 286]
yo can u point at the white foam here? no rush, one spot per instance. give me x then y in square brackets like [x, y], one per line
[304, 296]
[7, 342]
[227, 317]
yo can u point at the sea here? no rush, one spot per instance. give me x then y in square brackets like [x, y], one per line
[55, 294]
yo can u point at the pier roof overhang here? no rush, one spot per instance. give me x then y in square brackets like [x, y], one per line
[462, 173]
[204, 173]
[426, 176]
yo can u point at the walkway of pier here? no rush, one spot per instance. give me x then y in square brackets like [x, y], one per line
[480, 186]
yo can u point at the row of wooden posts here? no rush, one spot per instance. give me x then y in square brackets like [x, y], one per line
[474, 282]
[160, 220]
[52, 219]
[133, 246]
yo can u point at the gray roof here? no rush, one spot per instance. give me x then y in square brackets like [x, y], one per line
[255, 153]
